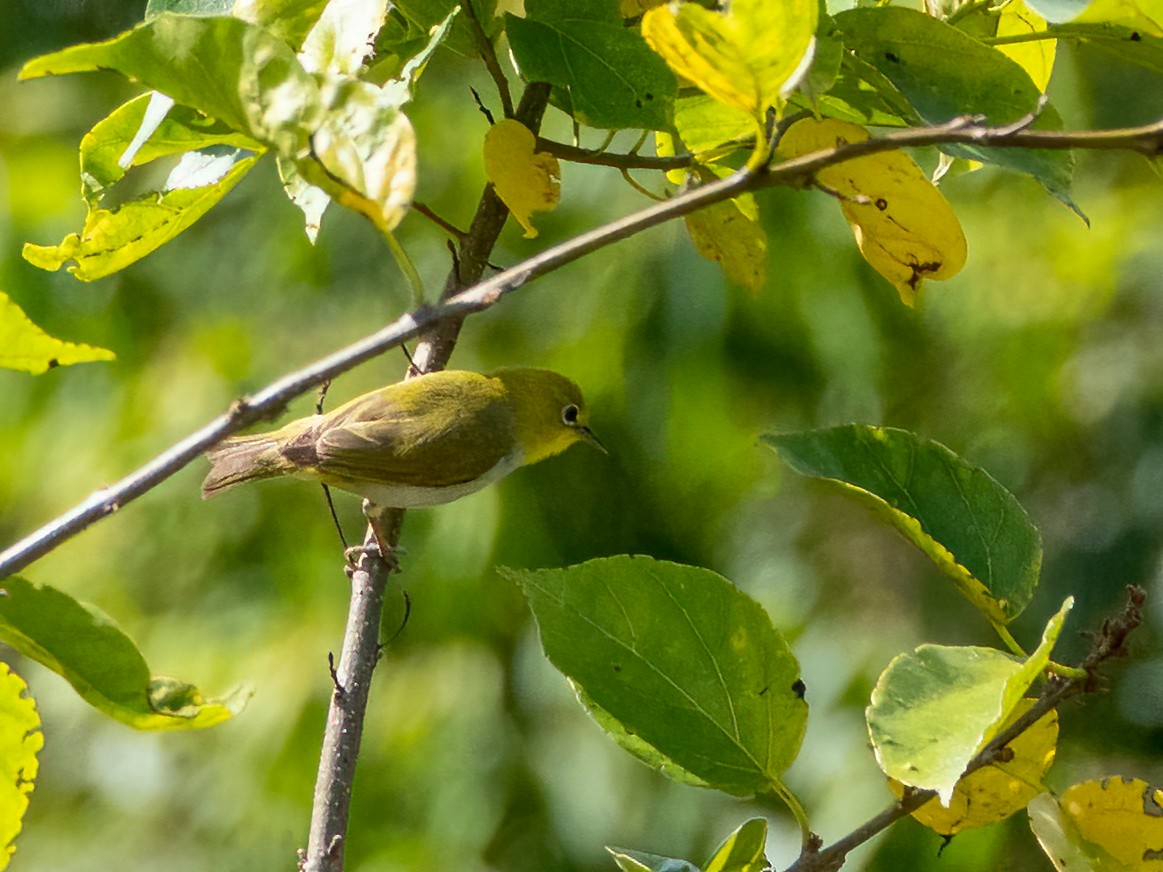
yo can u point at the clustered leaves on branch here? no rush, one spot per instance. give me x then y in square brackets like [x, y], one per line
[739, 98]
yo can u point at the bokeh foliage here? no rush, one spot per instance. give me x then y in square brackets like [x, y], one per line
[1040, 363]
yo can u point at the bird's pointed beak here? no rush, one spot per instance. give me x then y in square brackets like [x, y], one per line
[587, 435]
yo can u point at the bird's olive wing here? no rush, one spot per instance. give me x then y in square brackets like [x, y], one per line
[422, 442]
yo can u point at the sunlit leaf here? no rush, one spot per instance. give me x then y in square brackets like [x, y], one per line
[641, 861]
[611, 77]
[729, 233]
[682, 658]
[742, 851]
[85, 647]
[946, 74]
[995, 792]
[113, 239]
[229, 69]
[20, 741]
[104, 149]
[290, 20]
[972, 528]
[526, 180]
[1036, 58]
[704, 123]
[904, 226]
[25, 347]
[1107, 825]
[749, 56]
[934, 709]
[343, 36]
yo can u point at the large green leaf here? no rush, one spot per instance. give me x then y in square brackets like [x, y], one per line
[20, 741]
[231, 70]
[1128, 45]
[26, 347]
[970, 526]
[946, 74]
[682, 659]
[612, 78]
[933, 710]
[85, 647]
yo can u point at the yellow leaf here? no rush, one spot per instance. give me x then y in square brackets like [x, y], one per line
[729, 234]
[20, 740]
[748, 56]
[1036, 58]
[904, 226]
[993, 793]
[26, 347]
[527, 181]
[1145, 16]
[1121, 817]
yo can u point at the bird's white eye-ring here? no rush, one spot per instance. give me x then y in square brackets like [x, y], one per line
[569, 415]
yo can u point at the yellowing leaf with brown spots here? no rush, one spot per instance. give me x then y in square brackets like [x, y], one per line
[526, 180]
[729, 234]
[748, 56]
[904, 226]
[1110, 825]
[995, 792]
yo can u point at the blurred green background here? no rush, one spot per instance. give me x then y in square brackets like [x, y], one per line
[1042, 362]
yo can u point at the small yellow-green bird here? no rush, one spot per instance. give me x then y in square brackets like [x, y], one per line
[420, 442]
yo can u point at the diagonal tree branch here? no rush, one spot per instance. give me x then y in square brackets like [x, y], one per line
[269, 401]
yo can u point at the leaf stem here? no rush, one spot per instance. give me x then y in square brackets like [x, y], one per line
[407, 267]
[788, 797]
[1007, 637]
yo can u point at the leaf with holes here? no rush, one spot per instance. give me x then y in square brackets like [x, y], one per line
[904, 226]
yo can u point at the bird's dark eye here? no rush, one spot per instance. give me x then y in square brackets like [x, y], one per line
[569, 414]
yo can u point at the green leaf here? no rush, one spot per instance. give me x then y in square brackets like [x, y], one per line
[933, 710]
[681, 658]
[972, 528]
[226, 68]
[742, 851]
[1124, 43]
[290, 20]
[25, 347]
[641, 861]
[104, 148]
[85, 647]
[612, 77]
[704, 123]
[113, 239]
[946, 74]
[20, 741]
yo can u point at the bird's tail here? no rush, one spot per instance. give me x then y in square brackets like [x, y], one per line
[243, 459]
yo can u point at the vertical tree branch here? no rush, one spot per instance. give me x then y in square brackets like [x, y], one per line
[331, 807]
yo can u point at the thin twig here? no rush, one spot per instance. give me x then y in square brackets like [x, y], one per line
[1109, 642]
[484, 47]
[269, 402]
[598, 157]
